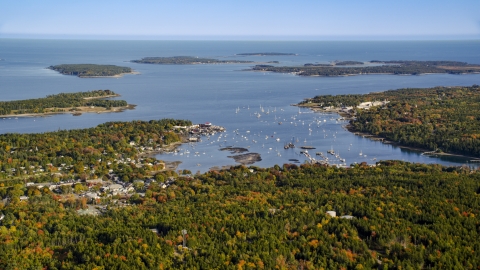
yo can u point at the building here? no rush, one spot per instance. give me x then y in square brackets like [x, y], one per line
[332, 213]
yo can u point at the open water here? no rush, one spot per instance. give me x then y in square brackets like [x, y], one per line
[249, 104]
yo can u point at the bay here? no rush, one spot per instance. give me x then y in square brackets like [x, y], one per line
[226, 95]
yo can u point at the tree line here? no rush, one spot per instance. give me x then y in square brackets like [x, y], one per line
[60, 102]
[386, 67]
[90, 70]
[439, 118]
[185, 60]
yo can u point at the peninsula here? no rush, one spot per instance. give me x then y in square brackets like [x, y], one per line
[75, 103]
[374, 67]
[91, 70]
[186, 60]
[440, 119]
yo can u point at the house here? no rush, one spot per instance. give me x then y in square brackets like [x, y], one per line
[332, 213]
[92, 196]
[206, 125]
[115, 187]
[94, 181]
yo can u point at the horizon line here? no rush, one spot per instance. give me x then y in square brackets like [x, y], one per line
[244, 37]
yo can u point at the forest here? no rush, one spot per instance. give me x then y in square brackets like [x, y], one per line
[347, 63]
[443, 119]
[90, 70]
[394, 215]
[383, 67]
[61, 102]
[186, 60]
[86, 153]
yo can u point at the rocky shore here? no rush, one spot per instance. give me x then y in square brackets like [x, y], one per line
[247, 159]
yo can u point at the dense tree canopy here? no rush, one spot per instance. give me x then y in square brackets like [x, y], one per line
[90, 70]
[404, 215]
[59, 102]
[383, 67]
[444, 118]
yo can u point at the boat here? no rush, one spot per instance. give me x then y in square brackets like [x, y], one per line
[288, 146]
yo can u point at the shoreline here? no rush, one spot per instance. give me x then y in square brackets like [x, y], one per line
[300, 73]
[75, 113]
[373, 137]
[113, 76]
[417, 149]
[107, 96]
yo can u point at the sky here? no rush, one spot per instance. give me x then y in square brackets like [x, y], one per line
[241, 20]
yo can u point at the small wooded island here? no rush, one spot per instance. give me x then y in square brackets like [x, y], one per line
[266, 54]
[91, 70]
[186, 60]
[375, 67]
[440, 119]
[75, 103]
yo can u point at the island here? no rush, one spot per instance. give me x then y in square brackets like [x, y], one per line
[374, 67]
[186, 60]
[266, 54]
[75, 103]
[244, 159]
[439, 120]
[91, 70]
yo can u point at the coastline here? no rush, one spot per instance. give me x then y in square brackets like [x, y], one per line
[301, 73]
[77, 112]
[384, 140]
[114, 76]
[107, 96]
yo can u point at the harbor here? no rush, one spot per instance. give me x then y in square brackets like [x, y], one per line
[304, 137]
[254, 107]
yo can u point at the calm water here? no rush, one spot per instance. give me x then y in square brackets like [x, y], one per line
[224, 94]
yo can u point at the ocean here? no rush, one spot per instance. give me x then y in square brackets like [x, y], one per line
[248, 104]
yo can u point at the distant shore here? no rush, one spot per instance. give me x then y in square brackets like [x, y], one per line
[79, 111]
[76, 111]
[114, 76]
